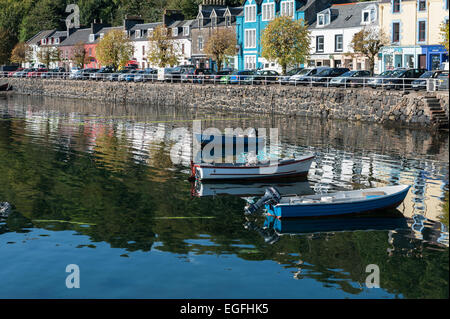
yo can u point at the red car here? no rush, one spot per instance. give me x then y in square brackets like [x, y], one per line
[37, 73]
[10, 74]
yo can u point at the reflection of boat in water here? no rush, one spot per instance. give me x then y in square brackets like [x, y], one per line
[274, 228]
[393, 221]
[340, 203]
[286, 168]
[200, 189]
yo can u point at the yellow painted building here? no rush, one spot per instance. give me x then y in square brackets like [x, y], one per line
[413, 30]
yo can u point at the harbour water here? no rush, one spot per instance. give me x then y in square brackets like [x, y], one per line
[95, 185]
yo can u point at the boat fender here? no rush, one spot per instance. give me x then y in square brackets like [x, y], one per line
[271, 197]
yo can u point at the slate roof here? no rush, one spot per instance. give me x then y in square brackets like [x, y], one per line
[80, 35]
[346, 15]
[36, 39]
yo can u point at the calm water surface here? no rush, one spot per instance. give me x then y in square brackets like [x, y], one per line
[94, 185]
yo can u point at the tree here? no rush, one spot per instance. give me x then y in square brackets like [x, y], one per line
[162, 50]
[221, 43]
[286, 42]
[368, 42]
[444, 33]
[79, 55]
[21, 53]
[115, 49]
[47, 55]
[6, 43]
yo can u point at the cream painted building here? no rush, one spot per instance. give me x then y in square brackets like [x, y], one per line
[413, 30]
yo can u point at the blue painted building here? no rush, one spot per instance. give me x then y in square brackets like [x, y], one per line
[255, 17]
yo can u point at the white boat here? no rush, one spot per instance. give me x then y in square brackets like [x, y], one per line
[287, 168]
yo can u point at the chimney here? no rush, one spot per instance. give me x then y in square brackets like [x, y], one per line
[131, 21]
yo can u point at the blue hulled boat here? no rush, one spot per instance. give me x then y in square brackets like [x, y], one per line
[339, 203]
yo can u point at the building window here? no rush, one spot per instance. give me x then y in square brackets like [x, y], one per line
[138, 33]
[174, 32]
[338, 42]
[102, 35]
[395, 32]
[90, 51]
[143, 50]
[44, 41]
[250, 62]
[200, 43]
[250, 38]
[91, 37]
[228, 21]
[268, 11]
[56, 40]
[250, 13]
[422, 32]
[182, 48]
[185, 31]
[319, 43]
[396, 6]
[422, 5]
[214, 22]
[287, 8]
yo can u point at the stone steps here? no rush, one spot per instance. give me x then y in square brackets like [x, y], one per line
[438, 115]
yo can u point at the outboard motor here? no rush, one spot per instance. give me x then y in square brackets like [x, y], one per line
[271, 196]
[5, 209]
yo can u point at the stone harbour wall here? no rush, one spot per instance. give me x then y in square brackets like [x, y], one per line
[361, 104]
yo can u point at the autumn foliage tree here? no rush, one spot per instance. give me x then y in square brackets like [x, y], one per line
[79, 55]
[368, 42]
[115, 49]
[47, 55]
[220, 44]
[286, 42]
[162, 49]
[444, 33]
[21, 53]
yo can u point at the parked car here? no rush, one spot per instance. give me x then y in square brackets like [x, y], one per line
[242, 77]
[421, 82]
[23, 73]
[11, 73]
[402, 78]
[58, 72]
[323, 77]
[82, 74]
[115, 76]
[266, 77]
[305, 76]
[128, 77]
[203, 75]
[351, 78]
[37, 73]
[176, 74]
[379, 79]
[101, 74]
[285, 78]
[146, 75]
[442, 81]
[5, 69]
[222, 73]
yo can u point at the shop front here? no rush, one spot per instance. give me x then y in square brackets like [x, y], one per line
[434, 55]
[402, 57]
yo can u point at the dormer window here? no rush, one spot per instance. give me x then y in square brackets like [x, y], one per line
[44, 41]
[214, 22]
[287, 8]
[250, 13]
[421, 5]
[138, 33]
[268, 11]
[174, 32]
[186, 31]
[368, 16]
[56, 40]
[91, 37]
[149, 32]
[228, 21]
[323, 19]
[102, 35]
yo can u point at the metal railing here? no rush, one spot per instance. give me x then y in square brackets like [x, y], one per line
[311, 81]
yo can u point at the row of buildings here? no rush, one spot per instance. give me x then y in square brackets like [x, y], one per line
[412, 26]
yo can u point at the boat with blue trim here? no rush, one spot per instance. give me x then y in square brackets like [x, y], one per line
[334, 204]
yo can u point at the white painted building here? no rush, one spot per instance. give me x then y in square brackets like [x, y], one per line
[333, 32]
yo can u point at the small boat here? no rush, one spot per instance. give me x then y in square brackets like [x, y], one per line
[339, 203]
[245, 140]
[287, 168]
[5, 87]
